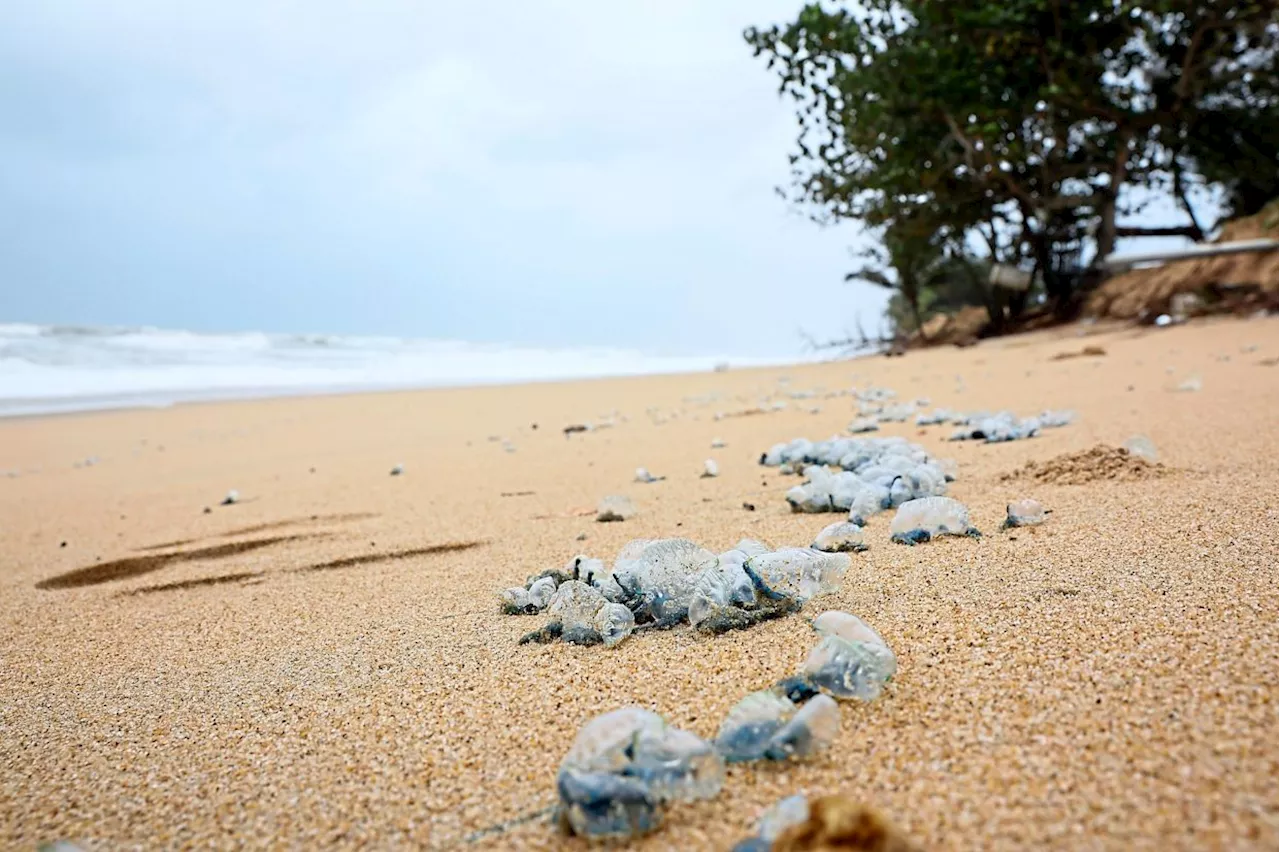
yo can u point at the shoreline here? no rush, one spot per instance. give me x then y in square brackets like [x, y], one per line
[158, 400]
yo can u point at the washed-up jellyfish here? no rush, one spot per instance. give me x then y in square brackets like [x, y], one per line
[793, 810]
[614, 622]
[1140, 446]
[615, 507]
[581, 615]
[1056, 419]
[727, 596]
[575, 606]
[625, 765]
[710, 469]
[516, 601]
[850, 659]
[643, 475]
[724, 584]
[541, 592]
[895, 413]
[930, 517]
[863, 424]
[840, 537]
[1025, 513]
[769, 726]
[658, 582]
[799, 572]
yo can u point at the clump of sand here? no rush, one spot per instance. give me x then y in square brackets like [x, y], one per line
[1100, 462]
[836, 823]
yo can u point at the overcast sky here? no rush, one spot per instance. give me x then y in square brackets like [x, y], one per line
[540, 173]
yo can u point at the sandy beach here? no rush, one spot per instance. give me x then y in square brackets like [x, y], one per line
[323, 663]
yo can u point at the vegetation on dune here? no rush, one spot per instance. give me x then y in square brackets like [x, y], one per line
[969, 133]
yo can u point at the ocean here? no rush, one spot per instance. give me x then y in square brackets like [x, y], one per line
[48, 369]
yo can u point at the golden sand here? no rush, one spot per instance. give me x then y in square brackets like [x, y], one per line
[322, 664]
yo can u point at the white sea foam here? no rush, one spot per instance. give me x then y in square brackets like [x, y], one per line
[46, 369]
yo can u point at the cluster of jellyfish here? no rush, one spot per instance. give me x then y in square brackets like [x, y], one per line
[660, 584]
[876, 474]
[994, 427]
[626, 766]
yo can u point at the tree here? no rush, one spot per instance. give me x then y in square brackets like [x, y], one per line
[927, 276]
[1015, 125]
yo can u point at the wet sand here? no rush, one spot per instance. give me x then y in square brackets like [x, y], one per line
[323, 665]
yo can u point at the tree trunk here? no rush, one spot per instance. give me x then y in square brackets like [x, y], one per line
[1180, 192]
[1106, 238]
[995, 311]
[913, 300]
[1018, 303]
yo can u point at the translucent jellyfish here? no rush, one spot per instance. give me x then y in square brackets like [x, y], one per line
[516, 601]
[630, 552]
[1142, 447]
[717, 444]
[1006, 427]
[769, 726]
[751, 547]
[607, 584]
[875, 394]
[847, 626]
[807, 498]
[850, 659]
[718, 587]
[1025, 513]
[792, 810]
[624, 766]
[934, 418]
[840, 537]
[1056, 419]
[710, 469]
[866, 502]
[660, 579]
[643, 475]
[727, 597]
[575, 606]
[895, 413]
[615, 507]
[863, 424]
[583, 567]
[625, 562]
[614, 622]
[799, 572]
[930, 517]
[541, 592]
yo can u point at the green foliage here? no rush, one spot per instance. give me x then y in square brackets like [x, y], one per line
[1017, 123]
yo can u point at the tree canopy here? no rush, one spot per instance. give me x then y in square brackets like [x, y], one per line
[1013, 129]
